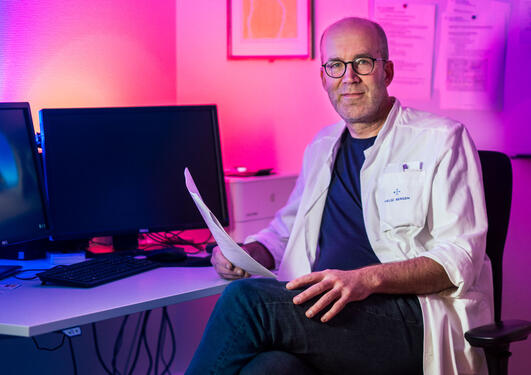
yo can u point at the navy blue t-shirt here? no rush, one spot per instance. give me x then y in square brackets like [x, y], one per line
[343, 242]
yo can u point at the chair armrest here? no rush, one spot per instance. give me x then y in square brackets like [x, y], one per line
[498, 334]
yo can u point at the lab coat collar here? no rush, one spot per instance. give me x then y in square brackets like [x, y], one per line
[387, 127]
[324, 176]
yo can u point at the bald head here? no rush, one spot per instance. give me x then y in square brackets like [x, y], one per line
[356, 24]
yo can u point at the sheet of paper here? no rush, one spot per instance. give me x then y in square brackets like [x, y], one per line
[525, 22]
[472, 56]
[410, 29]
[230, 249]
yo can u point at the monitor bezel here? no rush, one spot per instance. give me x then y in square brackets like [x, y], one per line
[212, 108]
[30, 131]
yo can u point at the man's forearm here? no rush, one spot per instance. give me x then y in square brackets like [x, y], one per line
[420, 275]
[260, 253]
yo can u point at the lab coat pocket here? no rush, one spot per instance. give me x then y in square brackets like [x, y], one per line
[399, 196]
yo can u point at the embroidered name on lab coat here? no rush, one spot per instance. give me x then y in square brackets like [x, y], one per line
[398, 197]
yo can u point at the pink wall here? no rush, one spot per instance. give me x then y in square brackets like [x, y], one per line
[516, 293]
[87, 53]
[269, 111]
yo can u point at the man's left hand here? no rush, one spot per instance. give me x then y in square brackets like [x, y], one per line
[336, 287]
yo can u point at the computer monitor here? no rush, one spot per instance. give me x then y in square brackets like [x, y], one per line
[22, 210]
[117, 171]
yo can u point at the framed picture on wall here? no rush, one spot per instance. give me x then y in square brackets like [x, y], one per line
[269, 28]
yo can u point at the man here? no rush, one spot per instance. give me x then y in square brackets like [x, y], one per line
[382, 239]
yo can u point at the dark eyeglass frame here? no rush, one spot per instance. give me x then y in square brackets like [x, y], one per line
[345, 64]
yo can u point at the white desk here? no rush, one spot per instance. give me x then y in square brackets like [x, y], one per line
[34, 309]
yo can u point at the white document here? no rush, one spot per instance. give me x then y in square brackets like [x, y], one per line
[410, 29]
[230, 249]
[525, 22]
[472, 55]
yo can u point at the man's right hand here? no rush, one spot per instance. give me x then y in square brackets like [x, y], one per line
[225, 268]
[229, 271]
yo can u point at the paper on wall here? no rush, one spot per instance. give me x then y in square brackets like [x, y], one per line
[525, 22]
[410, 30]
[472, 56]
[230, 249]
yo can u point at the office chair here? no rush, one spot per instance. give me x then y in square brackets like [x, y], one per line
[495, 338]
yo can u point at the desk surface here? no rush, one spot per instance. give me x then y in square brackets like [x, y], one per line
[33, 309]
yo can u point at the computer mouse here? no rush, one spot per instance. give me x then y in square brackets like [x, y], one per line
[167, 255]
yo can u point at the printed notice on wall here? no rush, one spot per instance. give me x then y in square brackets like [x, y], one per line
[471, 57]
[525, 22]
[410, 31]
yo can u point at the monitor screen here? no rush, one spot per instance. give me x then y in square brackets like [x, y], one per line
[116, 171]
[22, 215]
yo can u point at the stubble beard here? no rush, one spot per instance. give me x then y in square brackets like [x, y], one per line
[357, 113]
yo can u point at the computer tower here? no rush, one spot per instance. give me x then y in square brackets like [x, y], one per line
[253, 201]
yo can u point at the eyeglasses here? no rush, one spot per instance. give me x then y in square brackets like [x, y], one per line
[361, 65]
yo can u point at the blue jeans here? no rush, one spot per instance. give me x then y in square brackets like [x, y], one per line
[255, 325]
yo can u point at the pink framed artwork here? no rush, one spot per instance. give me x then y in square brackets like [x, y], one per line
[269, 28]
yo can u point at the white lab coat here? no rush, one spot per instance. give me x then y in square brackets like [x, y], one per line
[422, 195]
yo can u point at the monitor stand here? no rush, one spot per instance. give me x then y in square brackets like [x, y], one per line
[35, 249]
[125, 242]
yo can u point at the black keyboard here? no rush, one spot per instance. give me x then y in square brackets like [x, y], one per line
[97, 271]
